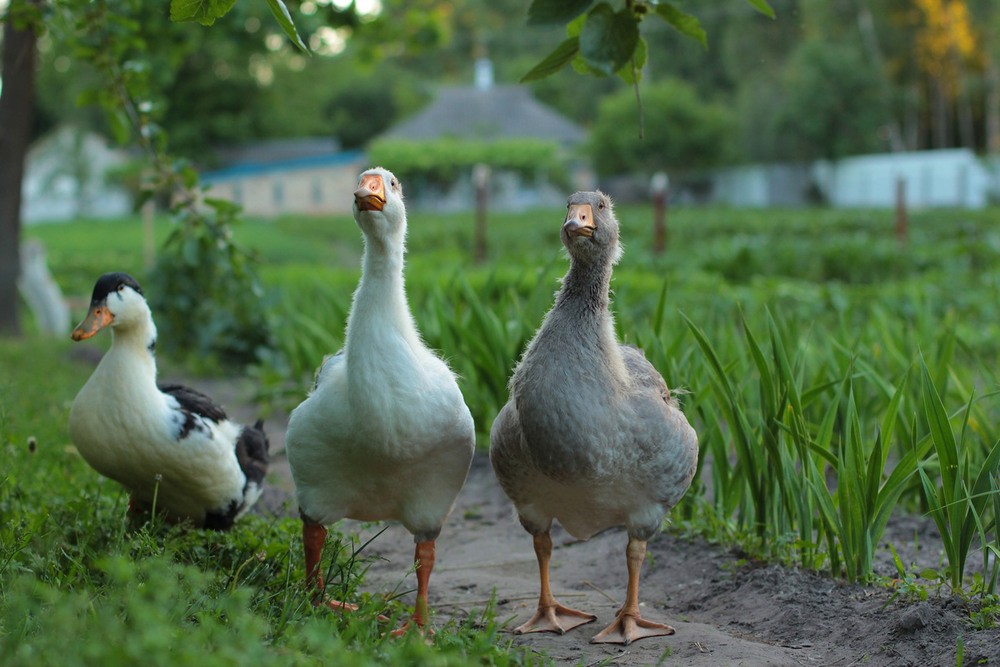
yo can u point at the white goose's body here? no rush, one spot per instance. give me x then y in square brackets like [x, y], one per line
[167, 441]
[385, 433]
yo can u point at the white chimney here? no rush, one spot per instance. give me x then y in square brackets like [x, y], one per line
[484, 74]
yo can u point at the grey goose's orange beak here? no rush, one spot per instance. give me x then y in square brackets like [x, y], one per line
[370, 195]
[579, 220]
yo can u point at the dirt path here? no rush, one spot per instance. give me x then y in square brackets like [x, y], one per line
[725, 610]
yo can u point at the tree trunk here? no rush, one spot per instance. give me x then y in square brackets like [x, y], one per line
[17, 106]
[867, 25]
[963, 108]
[940, 118]
[992, 106]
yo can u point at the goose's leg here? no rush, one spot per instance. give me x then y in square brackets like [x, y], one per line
[551, 616]
[423, 559]
[313, 538]
[628, 624]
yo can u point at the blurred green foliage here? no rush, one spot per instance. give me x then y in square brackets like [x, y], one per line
[683, 132]
[442, 161]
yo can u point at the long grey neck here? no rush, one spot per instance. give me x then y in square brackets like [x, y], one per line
[585, 292]
[580, 326]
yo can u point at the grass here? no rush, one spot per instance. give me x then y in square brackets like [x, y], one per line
[835, 378]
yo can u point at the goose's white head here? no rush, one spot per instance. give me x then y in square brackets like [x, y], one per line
[378, 204]
[590, 229]
[118, 302]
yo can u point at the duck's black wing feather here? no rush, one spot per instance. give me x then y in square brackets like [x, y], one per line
[195, 402]
[252, 451]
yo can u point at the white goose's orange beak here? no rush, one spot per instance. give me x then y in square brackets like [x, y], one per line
[98, 318]
[370, 195]
[579, 220]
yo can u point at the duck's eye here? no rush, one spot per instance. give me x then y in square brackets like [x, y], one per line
[121, 288]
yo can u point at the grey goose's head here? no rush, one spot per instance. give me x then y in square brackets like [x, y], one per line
[590, 230]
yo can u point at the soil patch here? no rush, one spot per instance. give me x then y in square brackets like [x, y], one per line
[726, 610]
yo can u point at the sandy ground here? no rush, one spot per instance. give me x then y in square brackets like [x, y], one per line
[726, 610]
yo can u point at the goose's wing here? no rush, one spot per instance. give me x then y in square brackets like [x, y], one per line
[505, 437]
[330, 362]
[643, 374]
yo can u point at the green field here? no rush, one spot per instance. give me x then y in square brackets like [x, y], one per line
[835, 377]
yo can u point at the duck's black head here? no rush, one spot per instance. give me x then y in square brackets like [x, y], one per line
[117, 300]
[112, 282]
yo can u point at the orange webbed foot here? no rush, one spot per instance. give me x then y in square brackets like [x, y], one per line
[335, 605]
[555, 618]
[425, 631]
[627, 628]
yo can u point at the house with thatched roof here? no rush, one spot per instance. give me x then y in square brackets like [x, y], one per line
[487, 114]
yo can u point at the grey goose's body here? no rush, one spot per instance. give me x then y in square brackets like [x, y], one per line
[591, 435]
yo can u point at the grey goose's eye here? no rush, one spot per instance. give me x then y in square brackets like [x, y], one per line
[600, 205]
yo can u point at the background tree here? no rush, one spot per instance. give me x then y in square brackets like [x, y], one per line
[832, 104]
[17, 104]
[687, 132]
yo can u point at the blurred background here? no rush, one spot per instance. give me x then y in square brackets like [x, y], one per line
[772, 112]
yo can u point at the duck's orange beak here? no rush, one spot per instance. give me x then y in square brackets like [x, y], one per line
[579, 220]
[370, 195]
[98, 318]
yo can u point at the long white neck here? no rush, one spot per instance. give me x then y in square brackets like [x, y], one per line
[380, 314]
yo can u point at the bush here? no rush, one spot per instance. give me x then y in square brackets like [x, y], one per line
[680, 131]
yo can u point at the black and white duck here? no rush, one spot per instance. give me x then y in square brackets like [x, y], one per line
[162, 440]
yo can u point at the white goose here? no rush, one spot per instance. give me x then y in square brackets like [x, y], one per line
[164, 440]
[591, 435]
[385, 433]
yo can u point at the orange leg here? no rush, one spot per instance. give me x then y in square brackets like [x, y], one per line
[313, 538]
[551, 616]
[423, 558]
[628, 624]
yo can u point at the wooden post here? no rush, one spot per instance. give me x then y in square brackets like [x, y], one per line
[659, 187]
[481, 183]
[148, 233]
[902, 224]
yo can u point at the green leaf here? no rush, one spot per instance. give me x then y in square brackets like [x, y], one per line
[203, 11]
[574, 27]
[284, 19]
[555, 61]
[549, 12]
[762, 7]
[640, 61]
[685, 23]
[608, 38]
